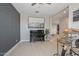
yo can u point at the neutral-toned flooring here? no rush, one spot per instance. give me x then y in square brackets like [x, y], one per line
[47, 48]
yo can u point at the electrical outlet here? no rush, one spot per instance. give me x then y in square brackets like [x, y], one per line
[16, 40]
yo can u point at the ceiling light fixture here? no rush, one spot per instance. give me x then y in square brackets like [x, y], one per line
[40, 4]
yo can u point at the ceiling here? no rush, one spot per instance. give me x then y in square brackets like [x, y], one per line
[39, 10]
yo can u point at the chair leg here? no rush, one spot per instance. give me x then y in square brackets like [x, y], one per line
[63, 51]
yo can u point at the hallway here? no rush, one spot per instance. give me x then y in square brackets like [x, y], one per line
[47, 48]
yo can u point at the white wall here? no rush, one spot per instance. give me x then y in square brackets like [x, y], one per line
[47, 22]
[25, 31]
[63, 24]
[53, 26]
[73, 7]
[60, 18]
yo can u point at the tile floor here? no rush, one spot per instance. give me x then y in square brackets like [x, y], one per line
[47, 48]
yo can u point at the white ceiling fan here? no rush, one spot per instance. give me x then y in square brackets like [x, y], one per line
[40, 3]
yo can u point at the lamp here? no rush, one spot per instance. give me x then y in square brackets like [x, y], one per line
[72, 30]
[67, 31]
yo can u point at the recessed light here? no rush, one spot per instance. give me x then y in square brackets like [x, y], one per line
[64, 12]
[36, 11]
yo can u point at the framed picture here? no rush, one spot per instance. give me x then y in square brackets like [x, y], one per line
[76, 15]
[36, 22]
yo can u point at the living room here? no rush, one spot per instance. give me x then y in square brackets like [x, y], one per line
[32, 29]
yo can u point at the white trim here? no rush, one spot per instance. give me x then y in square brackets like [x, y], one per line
[25, 41]
[12, 48]
[15, 47]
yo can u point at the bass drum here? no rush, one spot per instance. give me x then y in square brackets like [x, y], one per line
[77, 43]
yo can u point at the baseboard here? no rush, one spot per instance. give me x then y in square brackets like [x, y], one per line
[15, 47]
[25, 41]
[12, 48]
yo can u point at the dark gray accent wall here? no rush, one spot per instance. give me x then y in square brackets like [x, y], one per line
[9, 27]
